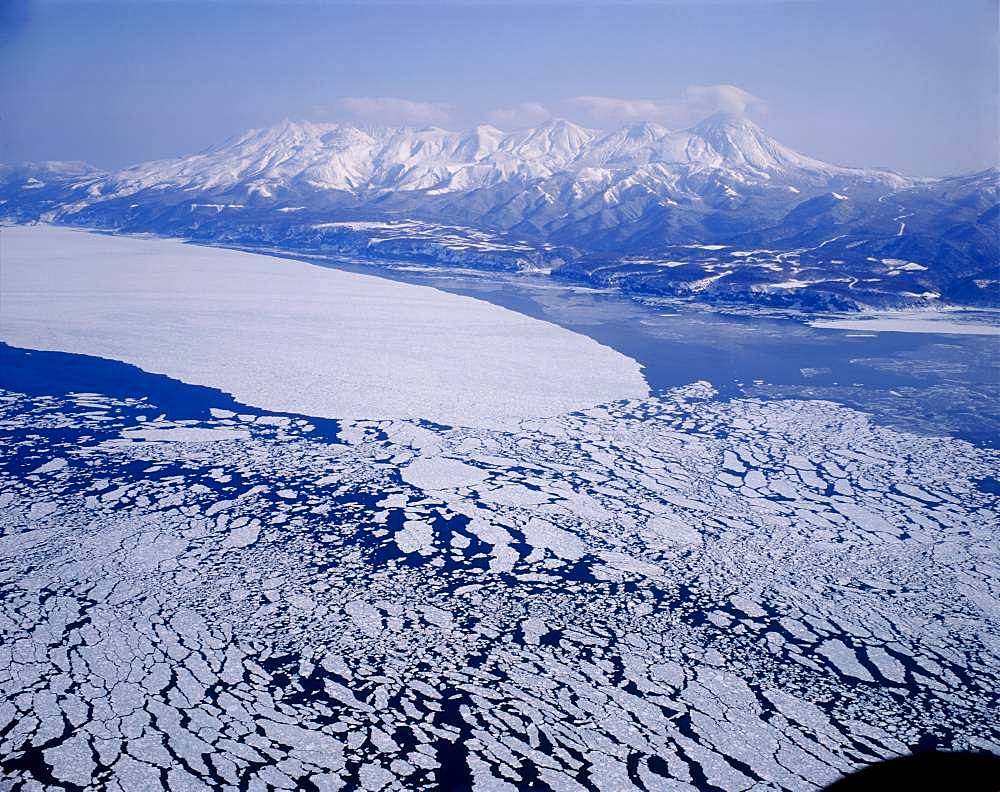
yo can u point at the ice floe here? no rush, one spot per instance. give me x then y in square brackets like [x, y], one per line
[292, 337]
[917, 322]
[675, 592]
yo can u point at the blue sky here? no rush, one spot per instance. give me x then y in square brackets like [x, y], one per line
[908, 85]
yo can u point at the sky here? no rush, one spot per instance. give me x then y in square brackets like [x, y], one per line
[906, 85]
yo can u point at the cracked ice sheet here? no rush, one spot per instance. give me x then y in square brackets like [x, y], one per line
[268, 610]
[294, 337]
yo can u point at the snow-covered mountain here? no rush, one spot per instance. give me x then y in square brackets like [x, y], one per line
[546, 197]
[297, 156]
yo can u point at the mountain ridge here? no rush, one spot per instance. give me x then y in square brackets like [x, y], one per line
[352, 157]
[564, 197]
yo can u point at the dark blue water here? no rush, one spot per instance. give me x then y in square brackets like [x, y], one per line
[38, 373]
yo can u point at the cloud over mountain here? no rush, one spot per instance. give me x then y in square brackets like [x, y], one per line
[525, 114]
[701, 100]
[392, 111]
[696, 101]
[602, 112]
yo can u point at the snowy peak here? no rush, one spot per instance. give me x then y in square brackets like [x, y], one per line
[479, 143]
[726, 123]
[732, 136]
[301, 156]
[635, 144]
[555, 143]
[740, 143]
[645, 132]
[558, 193]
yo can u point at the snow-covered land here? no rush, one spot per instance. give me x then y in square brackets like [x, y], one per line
[287, 336]
[581, 203]
[265, 162]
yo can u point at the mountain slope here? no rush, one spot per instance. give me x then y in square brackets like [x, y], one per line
[560, 195]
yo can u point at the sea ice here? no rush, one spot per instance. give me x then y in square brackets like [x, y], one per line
[912, 323]
[294, 337]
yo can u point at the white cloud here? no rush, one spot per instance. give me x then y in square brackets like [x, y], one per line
[708, 99]
[391, 111]
[517, 116]
[695, 103]
[602, 109]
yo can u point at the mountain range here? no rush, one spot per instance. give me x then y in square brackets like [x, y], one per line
[719, 212]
